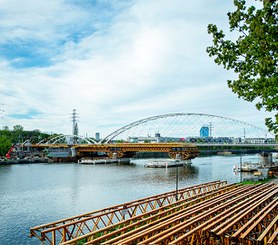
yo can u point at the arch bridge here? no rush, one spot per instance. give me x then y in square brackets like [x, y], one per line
[172, 133]
[176, 127]
[192, 127]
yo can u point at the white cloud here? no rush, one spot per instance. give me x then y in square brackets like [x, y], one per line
[147, 59]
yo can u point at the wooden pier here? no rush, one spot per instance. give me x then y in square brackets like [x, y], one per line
[210, 213]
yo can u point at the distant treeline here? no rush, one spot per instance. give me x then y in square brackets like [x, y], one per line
[9, 137]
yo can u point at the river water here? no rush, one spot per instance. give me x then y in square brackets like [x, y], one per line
[34, 194]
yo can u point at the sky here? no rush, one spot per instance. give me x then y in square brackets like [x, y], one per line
[114, 61]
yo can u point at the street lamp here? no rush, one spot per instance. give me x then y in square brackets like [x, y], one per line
[240, 166]
[177, 181]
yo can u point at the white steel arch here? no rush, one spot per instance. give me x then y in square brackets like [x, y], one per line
[67, 138]
[190, 123]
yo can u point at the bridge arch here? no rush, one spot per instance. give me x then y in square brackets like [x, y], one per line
[69, 139]
[188, 125]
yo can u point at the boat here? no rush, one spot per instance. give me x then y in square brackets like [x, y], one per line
[248, 167]
[166, 163]
[93, 161]
[103, 161]
[224, 153]
[265, 162]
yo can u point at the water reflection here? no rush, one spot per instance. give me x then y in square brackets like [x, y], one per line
[168, 175]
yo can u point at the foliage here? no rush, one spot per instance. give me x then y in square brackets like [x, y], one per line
[249, 182]
[253, 56]
[82, 241]
[5, 145]
[18, 135]
[119, 141]
[18, 128]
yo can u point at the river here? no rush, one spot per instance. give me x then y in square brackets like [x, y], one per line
[33, 194]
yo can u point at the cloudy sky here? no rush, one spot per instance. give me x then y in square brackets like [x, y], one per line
[114, 61]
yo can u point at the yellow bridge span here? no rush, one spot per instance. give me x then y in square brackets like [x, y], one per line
[186, 151]
[210, 213]
[120, 150]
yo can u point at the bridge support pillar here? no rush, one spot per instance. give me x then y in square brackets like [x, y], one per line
[178, 156]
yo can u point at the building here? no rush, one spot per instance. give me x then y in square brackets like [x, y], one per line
[204, 132]
[97, 136]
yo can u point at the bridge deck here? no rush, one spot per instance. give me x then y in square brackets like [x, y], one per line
[119, 150]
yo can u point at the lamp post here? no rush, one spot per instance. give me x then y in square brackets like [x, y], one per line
[240, 165]
[178, 158]
[177, 181]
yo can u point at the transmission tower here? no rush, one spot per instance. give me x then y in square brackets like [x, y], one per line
[210, 129]
[74, 125]
[74, 119]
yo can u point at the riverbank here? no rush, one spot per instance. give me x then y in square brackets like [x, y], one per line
[25, 161]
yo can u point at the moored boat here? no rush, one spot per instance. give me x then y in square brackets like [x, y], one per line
[103, 161]
[248, 167]
[166, 163]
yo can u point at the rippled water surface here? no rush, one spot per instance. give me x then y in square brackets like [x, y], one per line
[33, 194]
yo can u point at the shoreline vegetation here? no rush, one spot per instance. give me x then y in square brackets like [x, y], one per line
[273, 179]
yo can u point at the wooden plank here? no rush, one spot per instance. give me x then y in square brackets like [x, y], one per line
[272, 225]
[274, 238]
[255, 220]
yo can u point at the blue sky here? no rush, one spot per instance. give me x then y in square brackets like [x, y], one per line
[114, 61]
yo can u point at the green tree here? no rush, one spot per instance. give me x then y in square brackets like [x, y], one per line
[6, 128]
[253, 55]
[18, 128]
[5, 145]
[19, 135]
[18, 132]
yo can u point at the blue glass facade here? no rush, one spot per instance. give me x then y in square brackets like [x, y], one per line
[204, 132]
